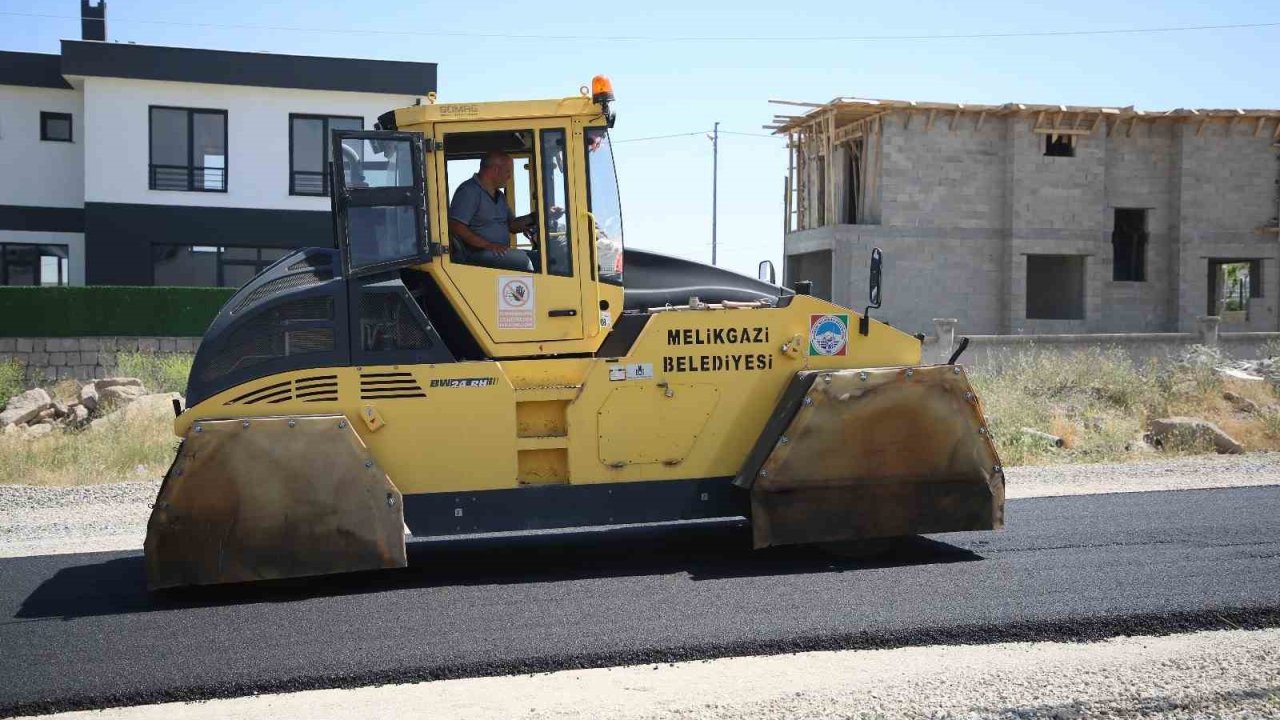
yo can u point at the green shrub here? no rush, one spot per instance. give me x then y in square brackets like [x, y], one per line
[10, 380]
[108, 310]
[159, 373]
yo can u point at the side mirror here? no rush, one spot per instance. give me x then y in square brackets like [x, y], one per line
[873, 291]
[766, 273]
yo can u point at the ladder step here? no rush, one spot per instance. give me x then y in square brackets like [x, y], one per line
[546, 442]
[547, 392]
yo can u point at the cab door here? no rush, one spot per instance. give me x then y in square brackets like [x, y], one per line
[379, 200]
[544, 303]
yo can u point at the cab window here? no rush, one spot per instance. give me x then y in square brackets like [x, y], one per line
[604, 206]
[463, 151]
[555, 236]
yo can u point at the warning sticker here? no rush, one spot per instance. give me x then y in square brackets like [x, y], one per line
[516, 303]
[828, 334]
[640, 371]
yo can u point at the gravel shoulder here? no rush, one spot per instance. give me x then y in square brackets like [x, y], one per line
[92, 518]
[1220, 674]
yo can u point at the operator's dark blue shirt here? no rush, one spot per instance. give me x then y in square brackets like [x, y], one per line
[487, 215]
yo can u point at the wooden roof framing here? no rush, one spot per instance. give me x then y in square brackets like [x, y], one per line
[846, 112]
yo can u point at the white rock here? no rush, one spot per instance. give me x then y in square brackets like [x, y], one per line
[77, 414]
[1239, 374]
[39, 430]
[104, 383]
[1196, 428]
[155, 405]
[24, 407]
[119, 395]
[89, 397]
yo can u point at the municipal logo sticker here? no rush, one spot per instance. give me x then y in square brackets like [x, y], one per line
[828, 334]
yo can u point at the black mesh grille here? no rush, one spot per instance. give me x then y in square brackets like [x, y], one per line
[257, 341]
[312, 262]
[309, 309]
[288, 282]
[387, 323]
[264, 338]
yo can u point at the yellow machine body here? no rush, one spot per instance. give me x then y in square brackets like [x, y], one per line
[764, 409]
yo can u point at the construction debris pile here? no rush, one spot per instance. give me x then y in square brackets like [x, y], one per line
[35, 413]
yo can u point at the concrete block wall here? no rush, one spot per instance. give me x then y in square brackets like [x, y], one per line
[1227, 180]
[48, 360]
[1140, 165]
[962, 209]
[943, 177]
[925, 270]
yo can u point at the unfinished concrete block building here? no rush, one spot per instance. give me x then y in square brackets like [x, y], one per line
[1022, 219]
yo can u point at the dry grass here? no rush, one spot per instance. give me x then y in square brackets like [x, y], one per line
[10, 380]
[139, 448]
[135, 446]
[1099, 402]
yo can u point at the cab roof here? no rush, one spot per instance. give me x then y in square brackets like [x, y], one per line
[508, 110]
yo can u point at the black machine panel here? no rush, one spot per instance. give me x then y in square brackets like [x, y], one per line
[291, 316]
[655, 280]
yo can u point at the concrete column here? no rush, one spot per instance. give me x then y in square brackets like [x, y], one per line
[1209, 329]
[945, 330]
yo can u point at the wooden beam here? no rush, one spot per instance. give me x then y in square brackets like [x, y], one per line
[797, 103]
[1257, 130]
[1057, 120]
[981, 116]
[954, 117]
[1132, 122]
[1276, 134]
[1039, 117]
[1200, 127]
[1111, 127]
[1096, 120]
[928, 124]
[907, 125]
[1061, 131]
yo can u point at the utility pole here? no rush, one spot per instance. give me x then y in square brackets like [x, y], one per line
[715, 177]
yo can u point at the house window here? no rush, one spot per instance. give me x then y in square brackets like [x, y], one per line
[310, 151]
[1232, 285]
[208, 265]
[33, 265]
[1129, 245]
[1055, 287]
[1059, 146]
[188, 149]
[55, 127]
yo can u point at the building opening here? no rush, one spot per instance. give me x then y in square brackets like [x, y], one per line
[1129, 245]
[814, 267]
[1232, 284]
[1055, 287]
[1059, 146]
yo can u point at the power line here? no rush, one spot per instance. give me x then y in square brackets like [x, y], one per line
[678, 38]
[660, 137]
[698, 132]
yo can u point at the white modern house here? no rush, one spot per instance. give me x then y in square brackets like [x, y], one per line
[124, 164]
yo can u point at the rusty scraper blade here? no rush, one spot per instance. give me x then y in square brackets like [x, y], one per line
[877, 453]
[263, 498]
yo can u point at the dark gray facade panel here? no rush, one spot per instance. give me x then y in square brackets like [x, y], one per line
[35, 70]
[223, 67]
[118, 237]
[30, 218]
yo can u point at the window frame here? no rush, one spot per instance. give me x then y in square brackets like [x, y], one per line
[47, 115]
[191, 113]
[325, 135]
[220, 261]
[1060, 140]
[64, 280]
[594, 261]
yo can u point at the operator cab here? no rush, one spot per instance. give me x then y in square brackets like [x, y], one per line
[394, 188]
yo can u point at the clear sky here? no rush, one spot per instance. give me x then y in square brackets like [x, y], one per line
[674, 71]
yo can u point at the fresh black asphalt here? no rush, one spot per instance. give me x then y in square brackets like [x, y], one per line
[80, 631]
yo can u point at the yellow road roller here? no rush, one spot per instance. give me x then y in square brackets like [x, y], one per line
[399, 382]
